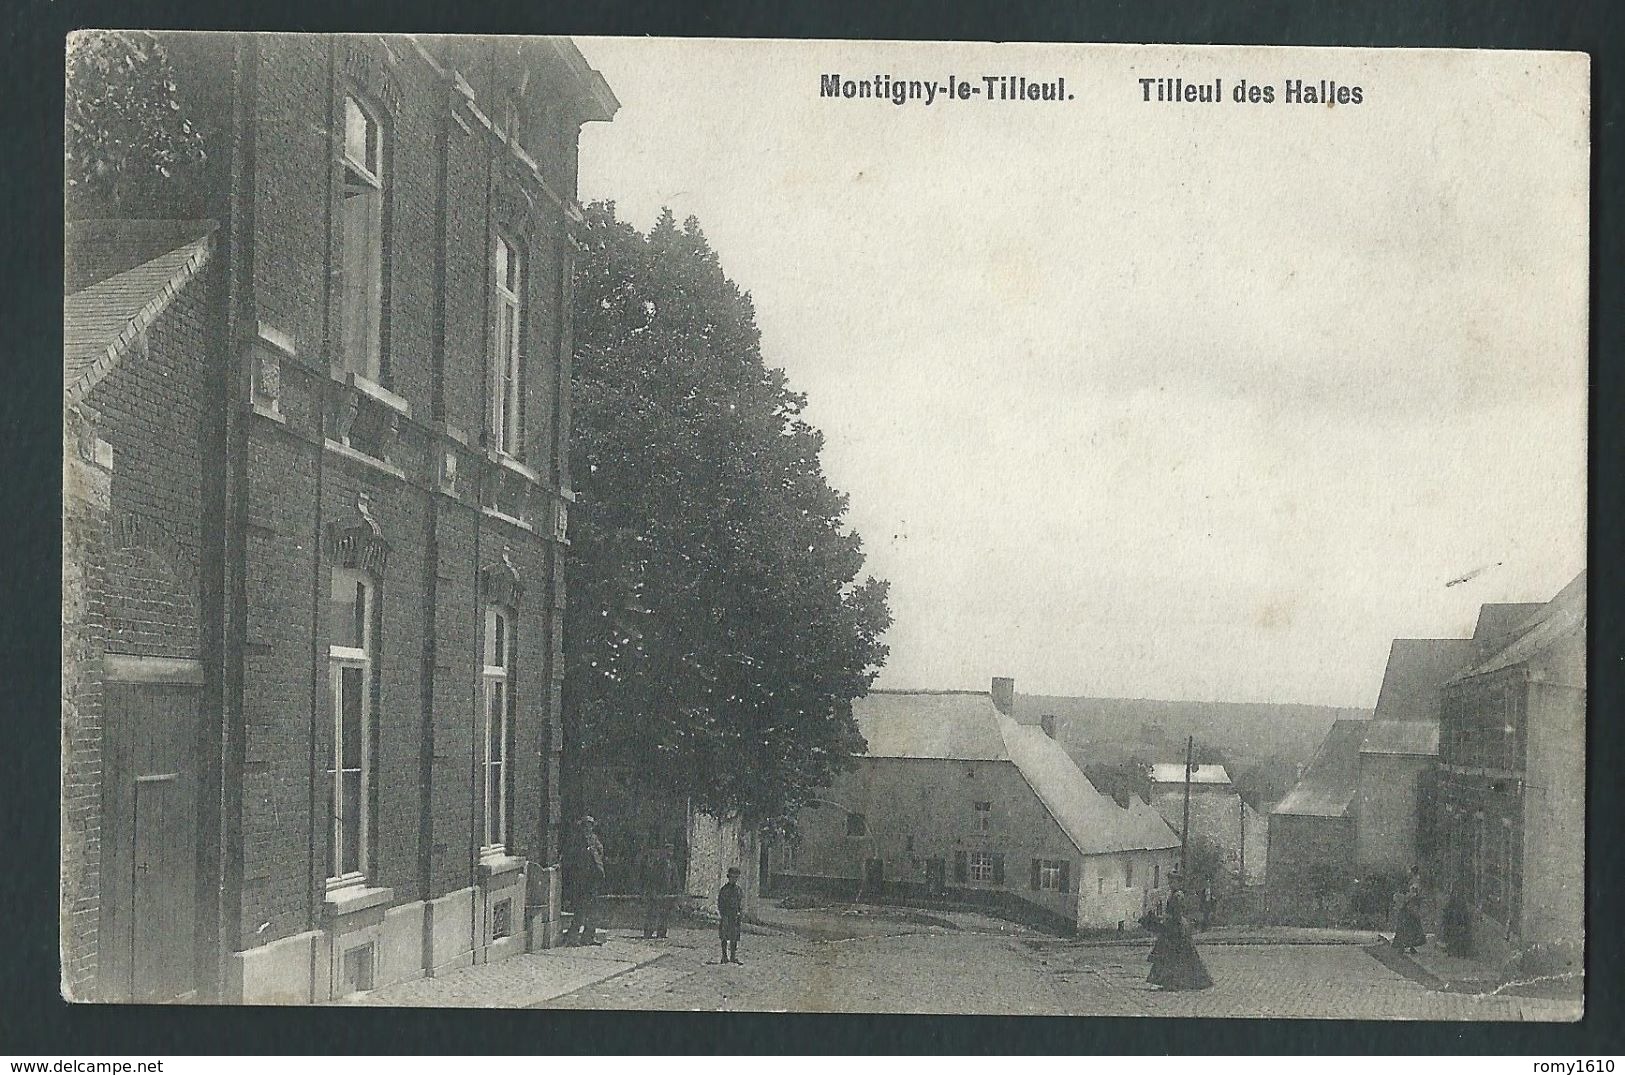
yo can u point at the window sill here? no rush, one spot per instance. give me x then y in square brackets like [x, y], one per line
[374, 390]
[366, 460]
[266, 410]
[504, 517]
[496, 862]
[508, 462]
[352, 898]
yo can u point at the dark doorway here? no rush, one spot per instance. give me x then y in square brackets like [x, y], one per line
[874, 876]
[147, 948]
[936, 877]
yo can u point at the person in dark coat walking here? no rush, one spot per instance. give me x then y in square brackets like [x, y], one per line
[731, 915]
[1174, 962]
[584, 867]
[657, 877]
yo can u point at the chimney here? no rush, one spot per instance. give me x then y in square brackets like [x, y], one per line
[1004, 695]
[1048, 723]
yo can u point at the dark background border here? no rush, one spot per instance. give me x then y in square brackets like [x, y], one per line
[32, 1017]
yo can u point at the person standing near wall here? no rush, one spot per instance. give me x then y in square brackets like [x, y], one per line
[585, 869]
[657, 877]
[730, 916]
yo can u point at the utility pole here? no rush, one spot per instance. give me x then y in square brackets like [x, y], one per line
[1185, 829]
[1241, 814]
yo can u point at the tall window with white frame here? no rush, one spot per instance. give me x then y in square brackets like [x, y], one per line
[507, 359]
[499, 703]
[361, 242]
[350, 663]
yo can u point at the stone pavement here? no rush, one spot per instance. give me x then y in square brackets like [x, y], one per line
[860, 959]
[520, 981]
[957, 971]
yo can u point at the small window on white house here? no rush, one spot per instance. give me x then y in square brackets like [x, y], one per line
[507, 359]
[498, 706]
[1049, 875]
[361, 242]
[987, 867]
[1128, 873]
[1156, 875]
[984, 816]
[350, 661]
[1100, 885]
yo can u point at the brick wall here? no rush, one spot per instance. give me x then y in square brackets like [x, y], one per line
[85, 502]
[449, 181]
[132, 537]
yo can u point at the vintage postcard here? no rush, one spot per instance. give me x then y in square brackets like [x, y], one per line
[824, 526]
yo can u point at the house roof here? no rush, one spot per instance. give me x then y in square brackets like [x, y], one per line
[965, 726]
[1559, 619]
[1417, 671]
[1174, 773]
[1499, 622]
[94, 250]
[1327, 786]
[100, 322]
[955, 725]
[1419, 737]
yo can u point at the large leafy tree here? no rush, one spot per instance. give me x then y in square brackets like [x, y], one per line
[717, 629]
[132, 143]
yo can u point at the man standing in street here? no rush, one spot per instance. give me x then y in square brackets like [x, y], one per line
[657, 875]
[731, 914]
[585, 865]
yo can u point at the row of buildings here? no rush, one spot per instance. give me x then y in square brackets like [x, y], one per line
[1472, 769]
[316, 495]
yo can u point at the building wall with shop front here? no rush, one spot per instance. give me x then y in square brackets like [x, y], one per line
[1553, 851]
[1512, 813]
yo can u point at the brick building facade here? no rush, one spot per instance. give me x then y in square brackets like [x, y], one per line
[379, 376]
[1511, 795]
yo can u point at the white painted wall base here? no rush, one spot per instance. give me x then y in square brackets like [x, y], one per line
[308, 968]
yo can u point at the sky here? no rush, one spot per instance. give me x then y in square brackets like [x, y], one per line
[1163, 400]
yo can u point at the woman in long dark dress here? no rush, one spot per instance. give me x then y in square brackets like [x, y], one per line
[1174, 962]
[1408, 932]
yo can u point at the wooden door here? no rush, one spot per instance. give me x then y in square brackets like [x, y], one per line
[149, 843]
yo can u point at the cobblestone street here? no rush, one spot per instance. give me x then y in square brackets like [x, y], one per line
[970, 972]
[898, 962]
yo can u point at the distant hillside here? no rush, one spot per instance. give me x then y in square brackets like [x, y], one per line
[1098, 731]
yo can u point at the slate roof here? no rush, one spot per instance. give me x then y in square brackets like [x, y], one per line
[1418, 737]
[1417, 670]
[100, 322]
[1559, 619]
[1327, 786]
[94, 250]
[965, 726]
[1499, 622]
[1174, 773]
